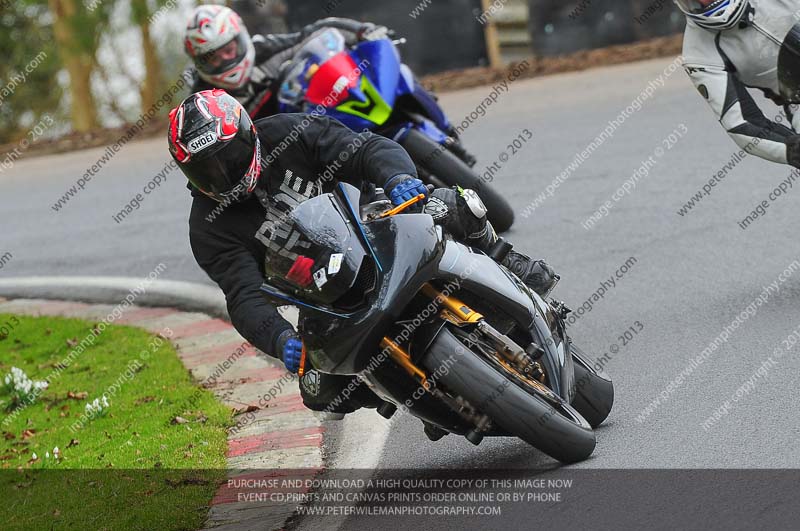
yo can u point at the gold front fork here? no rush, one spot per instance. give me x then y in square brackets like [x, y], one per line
[454, 311]
[403, 358]
[454, 308]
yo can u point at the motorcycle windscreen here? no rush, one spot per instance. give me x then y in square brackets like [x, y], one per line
[315, 253]
[789, 66]
[320, 48]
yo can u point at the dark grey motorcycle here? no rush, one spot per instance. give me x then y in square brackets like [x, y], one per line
[436, 328]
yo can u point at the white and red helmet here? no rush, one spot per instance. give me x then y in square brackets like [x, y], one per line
[220, 46]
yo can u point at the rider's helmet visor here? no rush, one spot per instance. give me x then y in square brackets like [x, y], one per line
[225, 57]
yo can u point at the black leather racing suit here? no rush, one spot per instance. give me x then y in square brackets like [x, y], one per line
[272, 51]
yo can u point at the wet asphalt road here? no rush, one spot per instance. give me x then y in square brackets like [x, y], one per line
[692, 274]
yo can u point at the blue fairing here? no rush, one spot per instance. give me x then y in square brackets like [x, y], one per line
[432, 108]
[398, 133]
[407, 81]
[392, 79]
[383, 69]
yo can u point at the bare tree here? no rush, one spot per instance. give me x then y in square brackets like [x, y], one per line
[74, 31]
[152, 84]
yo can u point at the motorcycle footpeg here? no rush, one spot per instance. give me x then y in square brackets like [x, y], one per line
[434, 433]
[475, 437]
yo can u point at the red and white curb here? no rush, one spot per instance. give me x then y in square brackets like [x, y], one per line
[274, 431]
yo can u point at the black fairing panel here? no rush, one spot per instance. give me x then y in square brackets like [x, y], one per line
[408, 249]
[479, 274]
[482, 276]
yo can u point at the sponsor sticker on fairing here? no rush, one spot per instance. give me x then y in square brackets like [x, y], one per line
[320, 279]
[335, 263]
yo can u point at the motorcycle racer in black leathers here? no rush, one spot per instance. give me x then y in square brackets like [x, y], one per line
[225, 56]
[246, 177]
[731, 46]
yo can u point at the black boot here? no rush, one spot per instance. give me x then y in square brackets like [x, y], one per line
[463, 215]
[332, 393]
[536, 274]
[325, 393]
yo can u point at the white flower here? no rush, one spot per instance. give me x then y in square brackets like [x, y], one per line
[23, 387]
[47, 455]
[56, 451]
[97, 407]
[34, 456]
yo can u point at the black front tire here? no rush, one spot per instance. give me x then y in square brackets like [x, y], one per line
[559, 432]
[450, 170]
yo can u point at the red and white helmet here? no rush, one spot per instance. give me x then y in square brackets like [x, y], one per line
[216, 145]
[220, 46]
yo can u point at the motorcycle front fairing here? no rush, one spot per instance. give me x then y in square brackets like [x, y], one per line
[482, 276]
[391, 79]
[369, 101]
[406, 251]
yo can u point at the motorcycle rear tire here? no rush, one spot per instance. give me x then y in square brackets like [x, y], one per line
[594, 390]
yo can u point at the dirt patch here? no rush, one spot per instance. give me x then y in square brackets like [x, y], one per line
[545, 66]
[98, 138]
[441, 82]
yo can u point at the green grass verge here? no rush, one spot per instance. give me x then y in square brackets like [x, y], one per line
[131, 467]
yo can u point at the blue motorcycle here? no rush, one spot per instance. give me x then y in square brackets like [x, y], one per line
[368, 87]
